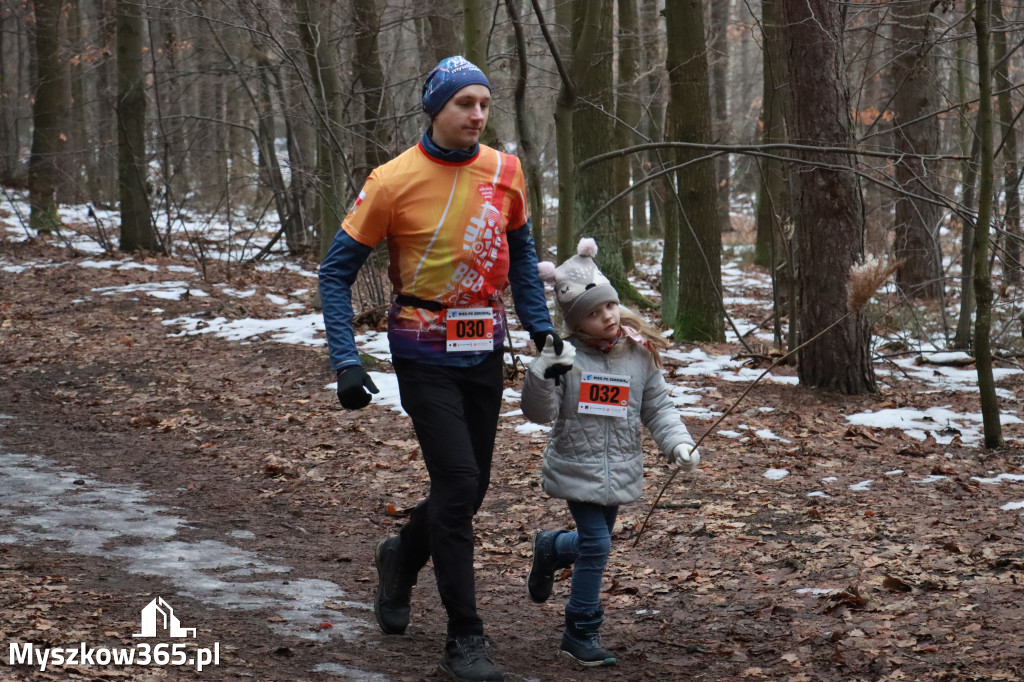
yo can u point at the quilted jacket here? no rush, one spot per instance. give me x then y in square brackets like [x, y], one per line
[598, 458]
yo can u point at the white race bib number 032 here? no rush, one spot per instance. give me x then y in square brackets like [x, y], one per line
[604, 394]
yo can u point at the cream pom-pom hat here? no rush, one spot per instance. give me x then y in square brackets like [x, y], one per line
[579, 284]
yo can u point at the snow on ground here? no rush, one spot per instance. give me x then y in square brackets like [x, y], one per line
[299, 324]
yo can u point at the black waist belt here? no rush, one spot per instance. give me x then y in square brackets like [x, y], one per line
[413, 302]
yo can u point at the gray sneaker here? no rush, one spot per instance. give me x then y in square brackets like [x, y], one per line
[394, 587]
[466, 660]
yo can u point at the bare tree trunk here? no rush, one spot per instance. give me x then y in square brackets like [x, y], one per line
[654, 64]
[103, 167]
[916, 132]
[593, 134]
[970, 144]
[475, 19]
[628, 113]
[829, 214]
[773, 244]
[443, 17]
[8, 140]
[719, 64]
[368, 71]
[137, 231]
[700, 314]
[969, 171]
[47, 119]
[1008, 143]
[524, 128]
[331, 173]
[773, 196]
[75, 176]
[982, 276]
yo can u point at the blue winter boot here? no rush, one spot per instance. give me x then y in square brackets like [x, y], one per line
[581, 639]
[541, 579]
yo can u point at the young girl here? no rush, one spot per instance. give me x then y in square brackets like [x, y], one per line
[594, 458]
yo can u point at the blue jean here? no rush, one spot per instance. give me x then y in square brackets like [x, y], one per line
[587, 549]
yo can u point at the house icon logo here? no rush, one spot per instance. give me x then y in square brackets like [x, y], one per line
[159, 613]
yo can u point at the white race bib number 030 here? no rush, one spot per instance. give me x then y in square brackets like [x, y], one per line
[469, 329]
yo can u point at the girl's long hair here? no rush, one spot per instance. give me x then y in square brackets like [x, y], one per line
[651, 334]
[628, 317]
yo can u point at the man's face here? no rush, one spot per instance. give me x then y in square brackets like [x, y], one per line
[459, 124]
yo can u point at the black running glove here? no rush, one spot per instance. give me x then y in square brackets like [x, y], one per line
[353, 384]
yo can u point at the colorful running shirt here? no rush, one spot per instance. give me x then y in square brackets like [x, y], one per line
[445, 226]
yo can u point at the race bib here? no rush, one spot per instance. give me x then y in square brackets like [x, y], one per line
[469, 329]
[604, 394]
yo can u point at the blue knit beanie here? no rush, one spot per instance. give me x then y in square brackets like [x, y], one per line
[448, 77]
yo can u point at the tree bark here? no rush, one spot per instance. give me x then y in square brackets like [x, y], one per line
[443, 17]
[370, 74]
[627, 108]
[916, 132]
[47, 119]
[593, 134]
[524, 128]
[982, 276]
[654, 65]
[137, 231]
[699, 316]
[1008, 144]
[328, 122]
[719, 62]
[829, 218]
[773, 196]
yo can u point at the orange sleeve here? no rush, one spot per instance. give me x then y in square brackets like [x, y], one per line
[369, 219]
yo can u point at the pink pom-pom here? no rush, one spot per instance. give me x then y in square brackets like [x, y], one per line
[546, 270]
[587, 247]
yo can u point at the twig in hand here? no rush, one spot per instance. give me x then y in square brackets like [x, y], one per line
[864, 281]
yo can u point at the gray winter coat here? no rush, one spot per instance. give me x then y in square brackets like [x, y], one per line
[598, 458]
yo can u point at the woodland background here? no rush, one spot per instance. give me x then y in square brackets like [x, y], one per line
[211, 147]
[868, 134]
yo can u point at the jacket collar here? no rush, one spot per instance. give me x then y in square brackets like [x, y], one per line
[446, 155]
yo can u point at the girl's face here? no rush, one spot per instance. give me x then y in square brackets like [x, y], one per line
[602, 322]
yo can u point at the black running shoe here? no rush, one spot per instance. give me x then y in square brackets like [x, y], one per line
[466, 660]
[394, 587]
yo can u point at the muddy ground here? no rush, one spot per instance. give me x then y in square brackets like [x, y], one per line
[737, 577]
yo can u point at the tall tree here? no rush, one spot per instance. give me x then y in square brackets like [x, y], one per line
[773, 216]
[444, 40]
[137, 231]
[370, 74]
[699, 316]
[718, 12]
[982, 276]
[829, 217]
[328, 121]
[1008, 144]
[594, 134]
[654, 68]
[528, 152]
[970, 146]
[916, 131]
[103, 171]
[47, 118]
[627, 109]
